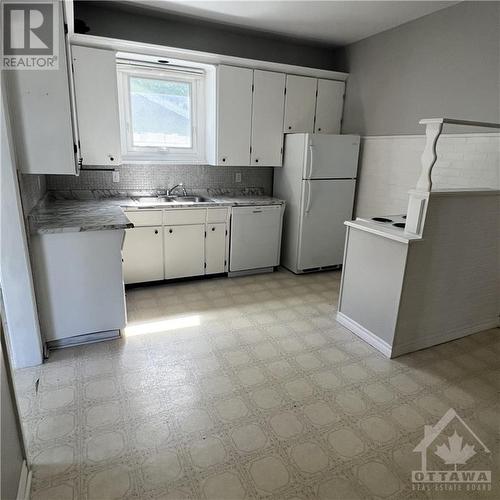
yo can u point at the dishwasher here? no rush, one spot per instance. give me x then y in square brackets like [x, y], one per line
[255, 238]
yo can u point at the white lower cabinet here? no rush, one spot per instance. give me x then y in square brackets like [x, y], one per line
[175, 243]
[215, 248]
[184, 250]
[143, 254]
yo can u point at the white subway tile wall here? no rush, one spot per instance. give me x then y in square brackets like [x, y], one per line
[390, 167]
[149, 177]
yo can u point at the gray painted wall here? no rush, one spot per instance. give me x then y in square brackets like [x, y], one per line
[444, 64]
[142, 25]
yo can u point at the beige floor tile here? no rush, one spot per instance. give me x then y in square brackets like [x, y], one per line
[267, 397]
[207, 452]
[346, 443]
[161, 468]
[111, 483]
[249, 437]
[378, 479]
[309, 457]
[378, 429]
[286, 424]
[55, 426]
[320, 413]
[232, 409]
[225, 486]
[269, 474]
[105, 446]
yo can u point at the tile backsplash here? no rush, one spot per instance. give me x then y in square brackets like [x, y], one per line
[154, 177]
[32, 189]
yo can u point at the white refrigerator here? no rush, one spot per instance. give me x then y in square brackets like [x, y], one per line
[317, 181]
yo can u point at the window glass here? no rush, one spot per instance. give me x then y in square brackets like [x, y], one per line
[160, 112]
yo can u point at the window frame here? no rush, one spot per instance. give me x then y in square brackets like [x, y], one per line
[196, 154]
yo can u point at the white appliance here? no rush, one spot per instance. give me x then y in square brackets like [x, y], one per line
[317, 182]
[255, 238]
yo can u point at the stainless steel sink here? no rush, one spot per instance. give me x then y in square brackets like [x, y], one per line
[190, 199]
[155, 199]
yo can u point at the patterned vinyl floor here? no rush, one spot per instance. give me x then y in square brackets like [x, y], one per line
[248, 388]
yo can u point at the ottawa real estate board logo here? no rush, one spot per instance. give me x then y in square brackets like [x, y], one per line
[30, 35]
[453, 458]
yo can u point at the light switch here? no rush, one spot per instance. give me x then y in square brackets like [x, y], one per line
[237, 177]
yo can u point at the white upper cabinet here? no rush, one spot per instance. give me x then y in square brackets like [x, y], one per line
[97, 105]
[267, 118]
[300, 104]
[41, 114]
[329, 105]
[234, 115]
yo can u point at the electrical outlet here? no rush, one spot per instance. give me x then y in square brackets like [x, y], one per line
[116, 176]
[237, 177]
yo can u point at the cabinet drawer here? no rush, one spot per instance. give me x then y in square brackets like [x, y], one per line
[183, 216]
[144, 217]
[216, 215]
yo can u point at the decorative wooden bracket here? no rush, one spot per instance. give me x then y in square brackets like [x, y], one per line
[429, 156]
[419, 197]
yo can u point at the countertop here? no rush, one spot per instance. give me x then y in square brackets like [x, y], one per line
[63, 212]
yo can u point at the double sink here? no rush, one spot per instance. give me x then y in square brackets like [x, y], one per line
[154, 200]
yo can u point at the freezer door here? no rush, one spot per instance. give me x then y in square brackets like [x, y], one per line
[331, 156]
[325, 207]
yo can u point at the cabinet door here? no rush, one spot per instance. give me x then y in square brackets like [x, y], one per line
[300, 104]
[234, 117]
[267, 118]
[215, 248]
[329, 105]
[143, 254]
[184, 250]
[97, 105]
[40, 112]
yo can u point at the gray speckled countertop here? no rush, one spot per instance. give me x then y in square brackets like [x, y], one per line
[75, 211]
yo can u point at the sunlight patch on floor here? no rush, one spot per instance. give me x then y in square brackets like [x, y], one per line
[165, 325]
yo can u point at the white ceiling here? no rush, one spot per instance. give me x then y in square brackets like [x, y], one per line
[331, 22]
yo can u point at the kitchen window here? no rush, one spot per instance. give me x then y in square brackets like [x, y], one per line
[162, 114]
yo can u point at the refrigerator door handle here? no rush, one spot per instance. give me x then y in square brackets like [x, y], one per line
[311, 160]
[308, 205]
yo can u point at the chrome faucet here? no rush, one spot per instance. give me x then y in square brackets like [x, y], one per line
[180, 185]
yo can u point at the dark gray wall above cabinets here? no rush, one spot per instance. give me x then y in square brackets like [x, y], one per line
[143, 25]
[443, 64]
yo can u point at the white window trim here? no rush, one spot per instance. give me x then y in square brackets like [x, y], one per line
[172, 156]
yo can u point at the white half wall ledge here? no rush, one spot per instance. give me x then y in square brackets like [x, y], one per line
[454, 121]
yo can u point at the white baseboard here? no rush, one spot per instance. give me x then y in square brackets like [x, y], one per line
[366, 335]
[24, 488]
[432, 340]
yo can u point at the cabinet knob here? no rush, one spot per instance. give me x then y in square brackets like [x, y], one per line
[156, 231]
[319, 129]
[289, 127]
[213, 229]
[223, 159]
[256, 160]
[170, 230]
